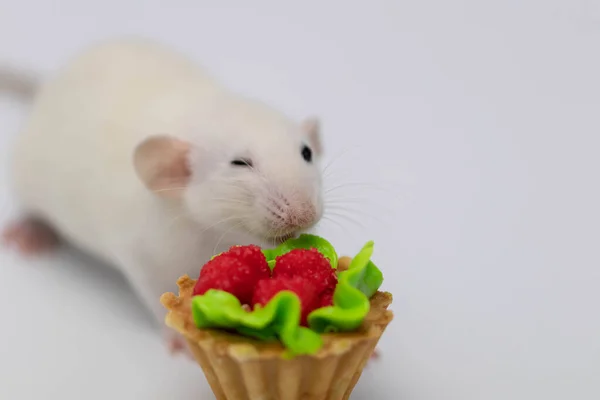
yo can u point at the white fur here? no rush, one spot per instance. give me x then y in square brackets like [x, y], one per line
[73, 165]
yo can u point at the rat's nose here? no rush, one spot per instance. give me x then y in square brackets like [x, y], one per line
[291, 217]
[300, 217]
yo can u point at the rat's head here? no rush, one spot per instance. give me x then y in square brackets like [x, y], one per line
[260, 182]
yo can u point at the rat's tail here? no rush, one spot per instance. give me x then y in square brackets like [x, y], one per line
[19, 83]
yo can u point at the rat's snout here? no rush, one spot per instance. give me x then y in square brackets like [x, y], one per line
[288, 217]
[300, 217]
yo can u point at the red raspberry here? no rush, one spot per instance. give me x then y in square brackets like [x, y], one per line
[236, 275]
[326, 298]
[308, 264]
[251, 255]
[304, 289]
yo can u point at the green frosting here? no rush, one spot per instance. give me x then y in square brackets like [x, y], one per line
[304, 241]
[279, 319]
[351, 303]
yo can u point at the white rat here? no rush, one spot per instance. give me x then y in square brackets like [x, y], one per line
[137, 156]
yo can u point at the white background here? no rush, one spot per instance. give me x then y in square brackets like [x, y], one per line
[475, 126]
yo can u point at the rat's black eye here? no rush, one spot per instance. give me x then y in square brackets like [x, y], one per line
[306, 153]
[242, 162]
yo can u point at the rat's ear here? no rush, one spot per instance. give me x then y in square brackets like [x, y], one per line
[161, 163]
[312, 129]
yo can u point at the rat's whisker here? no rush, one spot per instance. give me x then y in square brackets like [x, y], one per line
[234, 184]
[327, 218]
[225, 234]
[346, 231]
[347, 218]
[335, 158]
[274, 232]
[253, 230]
[345, 197]
[226, 200]
[365, 214]
[367, 203]
[180, 216]
[360, 184]
[358, 196]
[170, 189]
[387, 191]
[222, 221]
[356, 200]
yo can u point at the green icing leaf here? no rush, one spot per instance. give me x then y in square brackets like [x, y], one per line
[279, 319]
[351, 303]
[304, 241]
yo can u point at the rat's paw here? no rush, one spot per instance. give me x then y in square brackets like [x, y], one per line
[30, 237]
[375, 355]
[176, 344]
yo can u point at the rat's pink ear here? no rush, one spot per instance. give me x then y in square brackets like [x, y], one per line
[312, 129]
[161, 163]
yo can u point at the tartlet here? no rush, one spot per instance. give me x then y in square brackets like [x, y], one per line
[239, 367]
